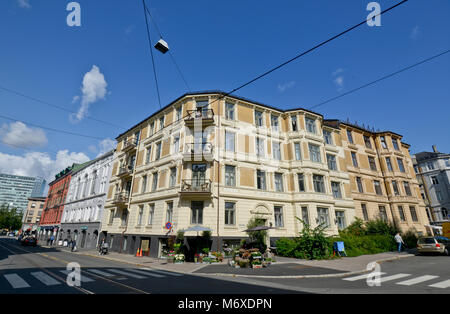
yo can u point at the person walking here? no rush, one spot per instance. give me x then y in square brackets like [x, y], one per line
[399, 240]
[52, 238]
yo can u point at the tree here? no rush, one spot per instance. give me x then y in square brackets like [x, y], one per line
[10, 218]
[257, 238]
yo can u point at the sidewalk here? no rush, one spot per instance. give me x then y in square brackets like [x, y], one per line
[283, 268]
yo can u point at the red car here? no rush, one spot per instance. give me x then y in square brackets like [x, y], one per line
[29, 241]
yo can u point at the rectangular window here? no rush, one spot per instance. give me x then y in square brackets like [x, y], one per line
[155, 181]
[141, 213]
[124, 217]
[401, 167]
[276, 150]
[152, 128]
[179, 112]
[298, 152]
[434, 180]
[367, 142]
[161, 123]
[354, 160]
[377, 186]
[144, 184]
[274, 123]
[336, 188]
[310, 125]
[340, 219]
[383, 214]
[169, 212]
[278, 215]
[301, 182]
[260, 147]
[148, 155]
[430, 166]
[350, 136]
[173, 177]
[305, 215]
[359, 184]
[278, 182]
[364, 212]
[197, 212]
[407, 188]
[323, 217]
[401, 213]
[229, 141]
[319, 184]
[372, 163]
[258, 118]
[261, 179]
[230, 213]
[383, 141]
[412, 209]
[328, 137]
[389, 164]
[331, 160]
[151, 213]
[395, 143]
[294, 123]
[158, 151]
[314, 153]
[395, 188]
[230, 175]
[229, 111]
[176, 143]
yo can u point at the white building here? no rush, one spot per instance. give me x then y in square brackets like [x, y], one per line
[82, 216]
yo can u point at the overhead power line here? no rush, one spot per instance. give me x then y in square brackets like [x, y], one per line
[381, 79]
[56, 106]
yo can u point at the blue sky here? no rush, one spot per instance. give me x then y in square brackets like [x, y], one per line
[218, 45]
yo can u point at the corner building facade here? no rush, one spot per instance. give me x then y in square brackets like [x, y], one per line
[220, 161]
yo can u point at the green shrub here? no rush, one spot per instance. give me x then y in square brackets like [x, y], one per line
[367, 244]
[379, 226]
[410, 238]
[286, 247]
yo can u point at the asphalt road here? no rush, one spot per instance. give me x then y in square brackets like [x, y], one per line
[30, 270]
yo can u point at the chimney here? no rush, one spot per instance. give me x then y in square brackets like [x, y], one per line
[435, 149]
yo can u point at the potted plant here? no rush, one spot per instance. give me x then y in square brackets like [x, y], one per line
[196, 258]
[179, 258]
[256, 263]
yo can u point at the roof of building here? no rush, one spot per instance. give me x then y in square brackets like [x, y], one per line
[93, 161]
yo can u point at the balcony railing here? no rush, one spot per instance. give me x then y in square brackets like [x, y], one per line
[202, 186]
[121, 198]
[203, 115]
[125, 170]
[198, 151]
[129, 145]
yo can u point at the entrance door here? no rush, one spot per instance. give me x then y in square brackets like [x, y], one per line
[145, 246]
[83, 238]
[198, 175]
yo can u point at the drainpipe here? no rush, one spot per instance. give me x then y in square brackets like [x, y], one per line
[218, 178]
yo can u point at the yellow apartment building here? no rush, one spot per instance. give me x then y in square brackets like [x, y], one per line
[217, 162]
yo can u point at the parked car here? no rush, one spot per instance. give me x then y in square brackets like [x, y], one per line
[20, 237]
[4, 232]
[433, 245]
[11, 234]
[29, 241]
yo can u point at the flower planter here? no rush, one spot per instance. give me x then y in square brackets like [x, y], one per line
[256, 266]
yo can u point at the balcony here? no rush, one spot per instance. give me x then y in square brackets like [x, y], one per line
[198, 152]
[201, 117]
[129, 145]
[121, 199]
[125, 171]
[196, 188]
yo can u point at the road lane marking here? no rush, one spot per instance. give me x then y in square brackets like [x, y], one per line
[99, 272]
[162, 272]
[393, 277]
[442, 284]
[363, 276]
[45, 279]
[120, 272]
[16, 281]
[416, 280]
[83, 278]
[146, 273]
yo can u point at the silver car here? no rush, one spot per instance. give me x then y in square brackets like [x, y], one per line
[433, 245]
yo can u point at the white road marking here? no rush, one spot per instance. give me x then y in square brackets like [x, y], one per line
[83, 278]
[163, 272]
[146, 273]
[100, 272]
[442, 284]
[120, 272]
[416, 280]
[393, 277]
[16, 281]
[45, 279]
[363, 276]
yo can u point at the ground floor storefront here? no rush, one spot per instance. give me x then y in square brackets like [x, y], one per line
[86, 235]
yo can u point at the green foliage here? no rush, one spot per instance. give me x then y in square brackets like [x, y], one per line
[286, 247]
[365, 244]
[355, 228]
[10, 218]
[257, 238]
[410, 238]
[379, 226]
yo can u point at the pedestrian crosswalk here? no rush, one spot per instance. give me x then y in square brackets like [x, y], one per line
[34, 278]
[405, 279]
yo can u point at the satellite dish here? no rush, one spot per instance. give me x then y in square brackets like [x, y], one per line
[162, 46]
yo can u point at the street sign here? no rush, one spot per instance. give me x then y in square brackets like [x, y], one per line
[168, 225]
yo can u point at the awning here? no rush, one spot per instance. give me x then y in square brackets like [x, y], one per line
[434, 227]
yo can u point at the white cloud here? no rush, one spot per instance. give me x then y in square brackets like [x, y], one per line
[338, 71]
[18, 135]
[339, 81]
[103, 147]
[415, 32]
[283, 87]
[93, 90]
[39, 164]
[24, 4]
